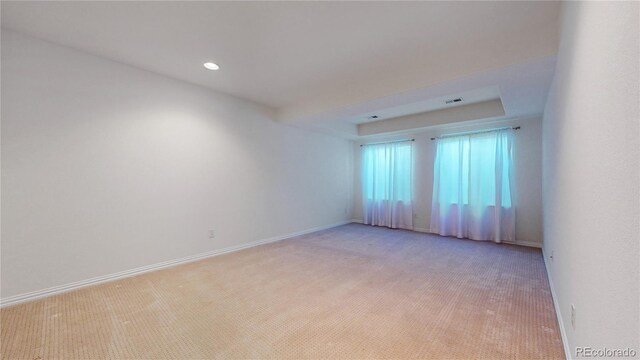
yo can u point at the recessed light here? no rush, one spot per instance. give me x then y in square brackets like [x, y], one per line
[211, 66]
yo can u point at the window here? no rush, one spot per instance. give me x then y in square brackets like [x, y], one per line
[387, 171]
[466, 166]
[387, 184]
[472, 177]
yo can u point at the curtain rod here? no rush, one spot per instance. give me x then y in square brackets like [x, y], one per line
[475, 132]
[387, 142]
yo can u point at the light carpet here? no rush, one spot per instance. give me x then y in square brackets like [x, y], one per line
[353, 291]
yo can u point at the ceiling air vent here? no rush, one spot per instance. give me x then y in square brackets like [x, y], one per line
[453, 101]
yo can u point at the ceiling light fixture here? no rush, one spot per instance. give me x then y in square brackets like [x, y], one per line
[211, 66]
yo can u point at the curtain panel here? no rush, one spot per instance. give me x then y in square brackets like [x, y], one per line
[387, 184]
[472, 187]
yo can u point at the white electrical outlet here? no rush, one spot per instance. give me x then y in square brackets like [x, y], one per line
[573, 316]
[212, 234]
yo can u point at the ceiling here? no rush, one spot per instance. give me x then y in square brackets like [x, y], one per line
[427, 105]
[305, 59]
[521, 89]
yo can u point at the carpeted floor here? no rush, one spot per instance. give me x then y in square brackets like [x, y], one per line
[350, 292]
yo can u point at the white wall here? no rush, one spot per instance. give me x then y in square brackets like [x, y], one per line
[591, 157]
[106, 168]
[528, 182]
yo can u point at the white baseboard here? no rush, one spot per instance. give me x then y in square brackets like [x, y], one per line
[30, 296]
[563, 333]
[524, 243]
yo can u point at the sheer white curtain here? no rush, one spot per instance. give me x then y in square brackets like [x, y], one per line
[472, 185]
[387, 184]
